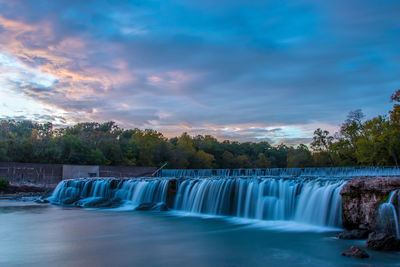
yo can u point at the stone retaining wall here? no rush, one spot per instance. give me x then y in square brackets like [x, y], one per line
[31, 172]
[45, 174]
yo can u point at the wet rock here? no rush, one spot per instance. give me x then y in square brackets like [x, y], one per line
[161, 207]
[361, 200]
[355, 252]
[97, 202]
[46, 193]
[42, 201]
[382, 241]
[171, 192]
[68, 201]
[354, 234]
[26, 190]
[152, 206]
[145, 206]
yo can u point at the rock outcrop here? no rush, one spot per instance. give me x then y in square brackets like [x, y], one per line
[361, 200]
[97, 202]
[355, 252]
[382, 241]
[354, 234]
[152, 206]
[26, 190]
[171, 192]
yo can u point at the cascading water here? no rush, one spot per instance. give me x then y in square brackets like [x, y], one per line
[310, 201]
[389, 214]
[339, 172]
[98, 191]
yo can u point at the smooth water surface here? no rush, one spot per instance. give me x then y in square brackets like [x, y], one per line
[45, 235]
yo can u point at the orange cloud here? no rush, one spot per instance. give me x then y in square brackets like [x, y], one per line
[36, 47]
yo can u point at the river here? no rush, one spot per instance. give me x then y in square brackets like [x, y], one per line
[47, 235]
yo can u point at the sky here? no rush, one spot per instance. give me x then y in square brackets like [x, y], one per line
[241, 70]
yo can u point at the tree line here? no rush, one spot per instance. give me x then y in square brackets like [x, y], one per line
[359, 142]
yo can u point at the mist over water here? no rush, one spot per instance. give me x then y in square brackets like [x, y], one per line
[302, 195]
[306, 201]
[48, 235]
[89, 192]
[288, 218]
[389, 214]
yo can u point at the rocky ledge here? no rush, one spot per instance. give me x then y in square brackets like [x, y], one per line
[355, 252]
[26, 190]
[361, 200]
[382, 241]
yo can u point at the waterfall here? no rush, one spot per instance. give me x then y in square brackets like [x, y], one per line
[389, 214]
[309, 200]
[106, 192]
[339, 172]
[313, 201]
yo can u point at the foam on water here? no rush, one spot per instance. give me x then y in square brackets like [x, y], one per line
[313, 201]
[96, 191]
[276, 225]
[389, 214]
[274, 202]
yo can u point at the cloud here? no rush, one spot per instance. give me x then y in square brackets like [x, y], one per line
[207, 67]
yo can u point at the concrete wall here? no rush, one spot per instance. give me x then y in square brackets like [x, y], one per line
[54, 173]
[79, 171]
[31, 172]
[125, 171]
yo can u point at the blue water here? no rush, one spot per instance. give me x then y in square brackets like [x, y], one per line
[47, 235]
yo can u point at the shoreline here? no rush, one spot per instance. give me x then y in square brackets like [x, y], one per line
[16, 190]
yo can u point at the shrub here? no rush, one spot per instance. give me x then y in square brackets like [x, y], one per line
[4, 183]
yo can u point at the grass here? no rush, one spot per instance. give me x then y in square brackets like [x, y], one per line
[4, 183]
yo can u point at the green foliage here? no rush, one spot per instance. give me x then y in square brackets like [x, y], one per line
[106, 144]
[385, 198]
[4, 183]
[359, 142]
[374, 142]
[299, 157]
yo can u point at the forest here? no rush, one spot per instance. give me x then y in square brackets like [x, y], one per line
[359, 142]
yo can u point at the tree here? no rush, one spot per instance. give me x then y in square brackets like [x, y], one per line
[227, 160]
[359, 142]
[203, 160]
[299, 157]
[374, 147]
[242, 161]
[262, 161]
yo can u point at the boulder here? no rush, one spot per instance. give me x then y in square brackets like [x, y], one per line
[382, 241]
[68, 201]
[354, 234]
[171, 192]
[94, 202]
[161, 207]
[145, 206]
[361, 200]
[355, 252]
[152, 206]
[42, 201]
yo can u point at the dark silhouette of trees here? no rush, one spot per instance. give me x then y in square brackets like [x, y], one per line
[359, 142]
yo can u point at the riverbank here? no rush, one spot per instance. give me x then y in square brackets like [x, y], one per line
[15, 190]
